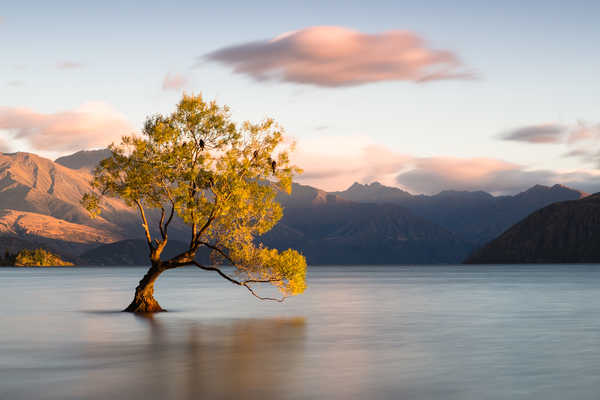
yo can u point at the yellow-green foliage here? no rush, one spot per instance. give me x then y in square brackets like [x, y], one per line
[38, 258]
[220, 178]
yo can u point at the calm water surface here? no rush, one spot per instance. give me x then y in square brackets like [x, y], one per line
[443, 332]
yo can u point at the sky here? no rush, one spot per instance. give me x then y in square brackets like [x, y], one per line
[425, 96]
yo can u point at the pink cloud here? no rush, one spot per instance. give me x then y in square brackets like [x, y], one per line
[335, 162]
[333, 56]
[434, 174]
[174, 82]
[91, 125]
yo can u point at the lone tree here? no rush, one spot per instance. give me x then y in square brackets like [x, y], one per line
[221, 179]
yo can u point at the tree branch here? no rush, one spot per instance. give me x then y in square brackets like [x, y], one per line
[160, 224]
[145, 224]
[218, 271]
[170, 218]
[279, 300]
[239, 283]
[221, 252]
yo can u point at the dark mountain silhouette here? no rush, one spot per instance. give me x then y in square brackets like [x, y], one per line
[565, 232]
[331, 230]
[476, 217]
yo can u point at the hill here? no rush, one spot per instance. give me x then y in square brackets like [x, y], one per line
[40, 204]
[40, 201]
[566, 232]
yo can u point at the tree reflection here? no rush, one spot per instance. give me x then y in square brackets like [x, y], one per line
[248, 359]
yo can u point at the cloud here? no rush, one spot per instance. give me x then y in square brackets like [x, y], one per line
[584, 132]
[545, 133]
[434, 174]
[332, 56]
[582, 139]
[174, 82]
[335, 162]
[92, 125]
[69, 65]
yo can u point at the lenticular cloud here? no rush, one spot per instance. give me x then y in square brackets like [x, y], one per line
[333, 56]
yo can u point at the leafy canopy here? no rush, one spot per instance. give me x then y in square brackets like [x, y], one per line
[220, 178]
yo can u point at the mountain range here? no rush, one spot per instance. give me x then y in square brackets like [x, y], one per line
[476, 217]
[365, 224]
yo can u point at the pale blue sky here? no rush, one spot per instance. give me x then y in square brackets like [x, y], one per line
[536, 61]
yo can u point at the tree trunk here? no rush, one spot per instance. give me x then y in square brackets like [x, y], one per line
[143, 301]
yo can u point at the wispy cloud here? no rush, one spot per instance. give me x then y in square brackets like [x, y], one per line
[91, 125]
[69, 65]
[333, 56]
[174, 82]
[545, 133]
[582, 140]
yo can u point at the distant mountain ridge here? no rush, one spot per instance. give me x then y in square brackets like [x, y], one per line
[477, 217]
[366, 224]
[337, 231]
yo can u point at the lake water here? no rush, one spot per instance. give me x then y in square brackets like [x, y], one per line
[427, 332]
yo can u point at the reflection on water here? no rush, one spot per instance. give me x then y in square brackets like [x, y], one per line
[448, 332]
[230, 359]
[251, 359]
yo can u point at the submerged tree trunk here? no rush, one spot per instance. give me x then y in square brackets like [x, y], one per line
[144, 301]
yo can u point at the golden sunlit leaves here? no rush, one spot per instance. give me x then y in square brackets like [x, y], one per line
[221, 179]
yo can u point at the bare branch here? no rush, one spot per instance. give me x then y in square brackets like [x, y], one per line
[217, 270]
[279, 300]
[145, 224]
[242, 283]
[262, 280]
